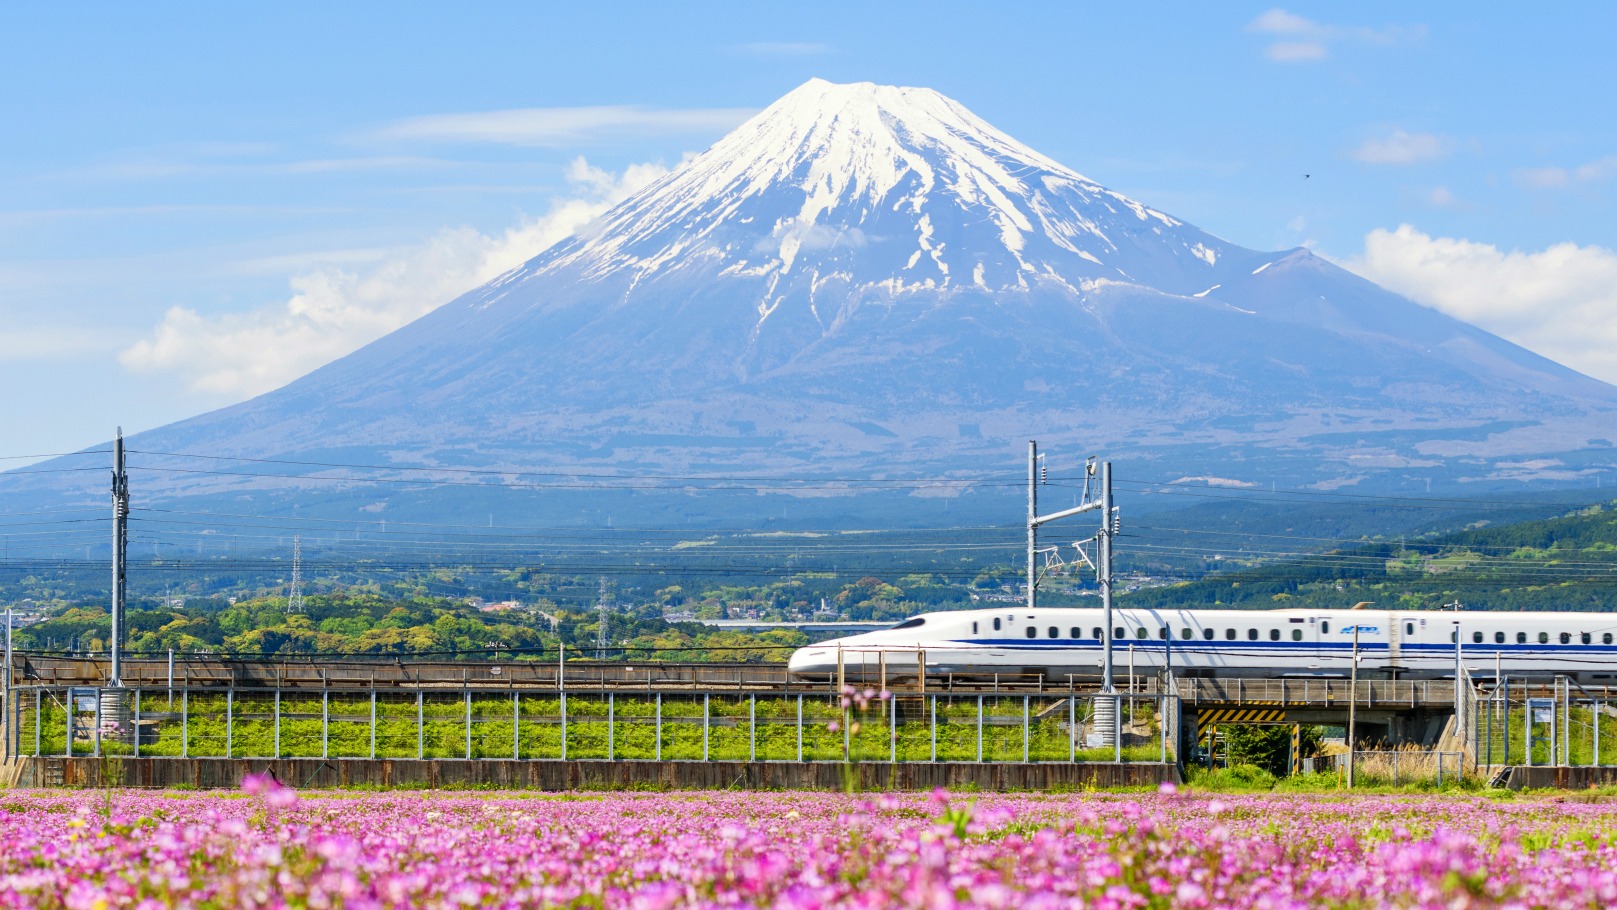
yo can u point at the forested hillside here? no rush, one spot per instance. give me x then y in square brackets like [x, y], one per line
[1564, 563]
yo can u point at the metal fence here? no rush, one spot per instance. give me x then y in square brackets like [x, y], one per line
[475, 723]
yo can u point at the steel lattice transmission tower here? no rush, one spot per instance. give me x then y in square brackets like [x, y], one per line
[601, 607]
[294, 596]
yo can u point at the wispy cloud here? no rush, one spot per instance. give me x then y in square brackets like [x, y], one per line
[1297, 39]
[1597, 171]
[1560, 301]
[41, 343]
[356, 296]
[1399, 147]
[556, 126]
[782, 49]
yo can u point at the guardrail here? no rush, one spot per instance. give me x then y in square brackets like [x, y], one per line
[1369, 693]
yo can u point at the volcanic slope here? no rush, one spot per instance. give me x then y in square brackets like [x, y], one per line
[870, 280]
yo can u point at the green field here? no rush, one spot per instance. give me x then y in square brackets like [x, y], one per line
[460, 724]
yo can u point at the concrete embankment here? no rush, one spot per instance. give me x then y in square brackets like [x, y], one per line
[206, 773]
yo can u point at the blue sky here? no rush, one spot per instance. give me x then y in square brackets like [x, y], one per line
[198, 202]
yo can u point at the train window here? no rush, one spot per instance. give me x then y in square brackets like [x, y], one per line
[1296, 634]
[1521, 638]
[974, 628]
[996, 624]
[1140, 632]
[1543, 638]
[1162, 633]
[1476, 637]
[1186, 634]
[1274, 634]
[910, 623]
[1076, 632]
[1032, 632]
[1056, 633]
[1251, 634]
[1207, 633]
[1229, 634]
[1325, 627]
[1409, 628]
[1098, 632]
[1566, 638]
[1605, 639]
[1587, 638]
[1499, 638]
[1455, 636]
[1118, 633]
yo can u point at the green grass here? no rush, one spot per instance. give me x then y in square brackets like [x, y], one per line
[732, 727]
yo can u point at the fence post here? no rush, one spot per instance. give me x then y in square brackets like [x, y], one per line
[468, 714]
[1072, 727]
[136, 731]
[373, 720]
[96, 741]
[752, 727]
[1162, 729]
[800, 727]
[934, 726]
[516, 724]
[564, 725]
[659, 749]
[277, 734]
[892, 728]
[979, 729]
[325, 722]
[185, 722]
[230, 720]
[1117, 726]
[1026, 721]
[706, 712]
[611, 725]
[39, 718]
[1599, 710]
[420, 725]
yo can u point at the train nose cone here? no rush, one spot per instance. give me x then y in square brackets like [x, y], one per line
[811, 660]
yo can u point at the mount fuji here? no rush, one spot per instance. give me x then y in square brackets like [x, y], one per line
[871, 280]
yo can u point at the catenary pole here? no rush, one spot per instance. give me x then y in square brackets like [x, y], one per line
[120, 549]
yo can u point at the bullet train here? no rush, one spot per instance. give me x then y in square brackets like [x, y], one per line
[1058, 642]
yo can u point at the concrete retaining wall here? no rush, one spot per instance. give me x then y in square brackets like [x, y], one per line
[207, 773]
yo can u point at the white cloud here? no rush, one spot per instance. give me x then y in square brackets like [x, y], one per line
[1560, 302]
[1442, 197]
[1296, 51]
[1599, 170]
[552, 126]
[334, 310]
[1399, 147]
[1298, 39]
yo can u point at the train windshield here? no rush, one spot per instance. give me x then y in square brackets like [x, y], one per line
[910, 623]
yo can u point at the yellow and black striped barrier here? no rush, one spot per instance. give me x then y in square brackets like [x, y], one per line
[1212, 717]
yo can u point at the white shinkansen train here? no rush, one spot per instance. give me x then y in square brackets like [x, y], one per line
[1059, 642]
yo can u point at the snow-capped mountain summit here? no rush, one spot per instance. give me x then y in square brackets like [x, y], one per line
[837, 186]
[871, 280]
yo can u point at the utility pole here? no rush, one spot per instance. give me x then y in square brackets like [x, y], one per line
[1107, 525]
[1032, 522]
[600, 621]
[1108, 528]
[120, 551]
[1353, 700]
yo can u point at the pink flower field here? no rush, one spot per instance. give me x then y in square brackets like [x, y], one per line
[272, 848]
